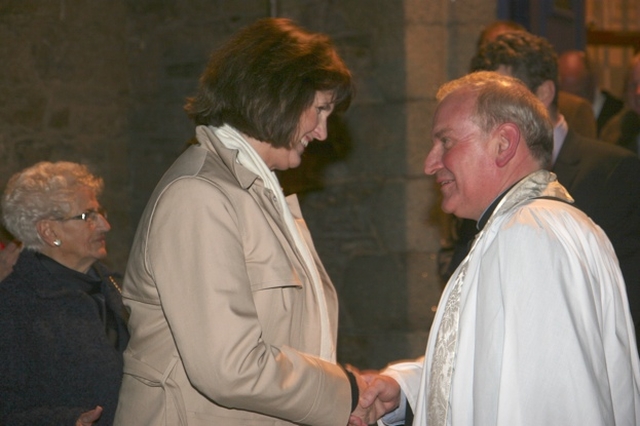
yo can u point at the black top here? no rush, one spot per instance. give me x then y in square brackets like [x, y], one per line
[629, 131]
[610, 107]
[62, 334]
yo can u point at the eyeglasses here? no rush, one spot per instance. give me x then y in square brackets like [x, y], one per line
[88, 215]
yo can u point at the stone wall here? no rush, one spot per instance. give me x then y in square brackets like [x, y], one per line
[64, 86]
[103, 83]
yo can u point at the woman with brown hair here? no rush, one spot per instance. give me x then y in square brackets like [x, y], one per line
[233, 317]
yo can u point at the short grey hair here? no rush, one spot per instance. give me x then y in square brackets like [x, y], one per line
[502, 99]
[43, 191]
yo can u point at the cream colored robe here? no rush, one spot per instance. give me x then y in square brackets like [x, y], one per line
[545, 334]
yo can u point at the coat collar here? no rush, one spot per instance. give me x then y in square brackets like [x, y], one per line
[208, 140]
[50, 279]
[569, 154]
[567, 164]
[246, 179]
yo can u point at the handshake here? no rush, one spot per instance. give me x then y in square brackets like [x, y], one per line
[378, 395]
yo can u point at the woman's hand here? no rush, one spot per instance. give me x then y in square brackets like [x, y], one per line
[90, 417]
[8, 257]
[381, 396]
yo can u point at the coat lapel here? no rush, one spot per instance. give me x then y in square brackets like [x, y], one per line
[264, 197]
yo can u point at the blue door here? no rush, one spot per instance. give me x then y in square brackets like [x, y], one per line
[562, 22]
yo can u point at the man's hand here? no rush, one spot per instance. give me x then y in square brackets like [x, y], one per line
[378, 396]
[90, 417]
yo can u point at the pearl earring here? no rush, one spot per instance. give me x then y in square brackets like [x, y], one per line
[57, 242]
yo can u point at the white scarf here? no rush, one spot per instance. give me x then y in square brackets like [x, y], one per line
[249, 158]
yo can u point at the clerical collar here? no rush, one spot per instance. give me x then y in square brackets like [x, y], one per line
[489, 211]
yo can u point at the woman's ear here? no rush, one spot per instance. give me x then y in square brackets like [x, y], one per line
[46, 231]
[508, 135]
[546, 92]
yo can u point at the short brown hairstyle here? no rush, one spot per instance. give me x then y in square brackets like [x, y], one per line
[262, 80]
[530, 58]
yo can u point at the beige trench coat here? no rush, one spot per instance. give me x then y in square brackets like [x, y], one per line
[224, 323]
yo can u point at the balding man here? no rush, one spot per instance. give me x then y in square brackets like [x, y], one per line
[533, 328]
[624, 128]
[576, 76]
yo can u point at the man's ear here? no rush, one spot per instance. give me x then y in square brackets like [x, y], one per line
[546, 92]
[508, 135]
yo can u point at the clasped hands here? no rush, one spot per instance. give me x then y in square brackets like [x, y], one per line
[378, 395]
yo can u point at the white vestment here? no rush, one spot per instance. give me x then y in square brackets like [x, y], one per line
[545, 335]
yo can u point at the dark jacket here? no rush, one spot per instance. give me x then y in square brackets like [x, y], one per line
[611, 107]
[604, 180]
[62, 334]
[623, 129]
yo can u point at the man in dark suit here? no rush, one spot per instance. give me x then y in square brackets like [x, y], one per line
[577, 77]
[603, 179]
[578, 114]
[624, 128]
[577, 111]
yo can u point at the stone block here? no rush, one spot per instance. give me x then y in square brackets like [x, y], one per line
[469, 12]
[419, 12]
[419, 118]
[421, 212]
[423, 73]
[379, 140]
[375, 284]
[424, 288]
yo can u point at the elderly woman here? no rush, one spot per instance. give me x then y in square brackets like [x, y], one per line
[62, 322]
[233, 317]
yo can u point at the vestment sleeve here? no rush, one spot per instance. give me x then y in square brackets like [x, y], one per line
[408, 374]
